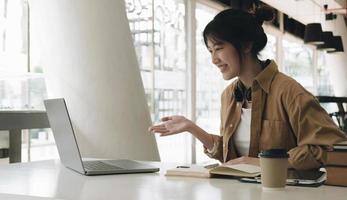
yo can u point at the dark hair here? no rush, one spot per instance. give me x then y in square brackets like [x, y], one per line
[238, 27]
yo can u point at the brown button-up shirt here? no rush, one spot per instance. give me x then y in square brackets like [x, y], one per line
[284, 115]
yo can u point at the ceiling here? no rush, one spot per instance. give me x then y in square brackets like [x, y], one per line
[304, 11]
[308, 11]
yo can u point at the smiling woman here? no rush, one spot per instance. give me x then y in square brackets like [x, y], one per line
[263, 107]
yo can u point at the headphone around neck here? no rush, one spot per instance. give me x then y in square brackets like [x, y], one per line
[241, 93]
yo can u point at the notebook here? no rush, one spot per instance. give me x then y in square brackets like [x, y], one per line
[238, 170]
[64, 135]
[248, 173]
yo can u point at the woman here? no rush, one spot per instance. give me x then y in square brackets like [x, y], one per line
[263, 108]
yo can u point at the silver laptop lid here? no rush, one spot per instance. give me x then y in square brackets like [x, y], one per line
[59, 120]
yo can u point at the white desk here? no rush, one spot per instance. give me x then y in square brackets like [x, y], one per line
[51, 179]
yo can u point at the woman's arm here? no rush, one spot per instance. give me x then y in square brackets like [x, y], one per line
[176, 124]
[205, 138]
[315, 131]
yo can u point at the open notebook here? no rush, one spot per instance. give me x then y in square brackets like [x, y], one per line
[249, 173]
[238, 170]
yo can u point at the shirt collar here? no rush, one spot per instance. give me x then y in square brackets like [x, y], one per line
[265, 77]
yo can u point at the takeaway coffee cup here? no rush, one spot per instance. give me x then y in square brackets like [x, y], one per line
[273, 164]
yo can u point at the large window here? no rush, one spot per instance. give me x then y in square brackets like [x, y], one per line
[22, 84]
[14, 80]
[170, 84]
[160, 42]
[140, 18]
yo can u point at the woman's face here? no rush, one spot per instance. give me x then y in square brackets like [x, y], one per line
[225, 57]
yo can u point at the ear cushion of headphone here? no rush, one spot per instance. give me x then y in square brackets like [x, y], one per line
[248, 94]
[238, 94]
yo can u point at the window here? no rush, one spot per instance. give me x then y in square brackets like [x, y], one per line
[324, 87]
[14, 80]
[324, 84]
[140, 17]
[22, 84]
[209, 82]
[160, 42]
[269, 51]
[298, 63]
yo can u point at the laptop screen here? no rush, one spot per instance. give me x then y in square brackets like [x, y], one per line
[64, 136]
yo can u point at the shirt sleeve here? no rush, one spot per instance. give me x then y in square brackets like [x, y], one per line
[315, 132]
[217, 150]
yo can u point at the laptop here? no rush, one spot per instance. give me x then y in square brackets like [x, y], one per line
[59, 119]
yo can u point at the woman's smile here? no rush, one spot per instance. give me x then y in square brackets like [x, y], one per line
[223, 67]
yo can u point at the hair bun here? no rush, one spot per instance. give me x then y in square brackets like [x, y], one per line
[264, 13]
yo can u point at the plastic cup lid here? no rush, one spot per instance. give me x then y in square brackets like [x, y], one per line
[274, 153]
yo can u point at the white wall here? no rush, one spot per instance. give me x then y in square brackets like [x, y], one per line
[89, 59]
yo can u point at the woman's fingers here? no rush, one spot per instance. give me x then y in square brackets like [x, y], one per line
[166, 118]
[158, 129]
[168, 127]
[166, 133]
[151, 128]
[158, 126]
[161, 131]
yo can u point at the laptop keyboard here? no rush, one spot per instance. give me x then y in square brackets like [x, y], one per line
[99, 166]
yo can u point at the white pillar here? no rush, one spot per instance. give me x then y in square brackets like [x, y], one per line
[89, 59]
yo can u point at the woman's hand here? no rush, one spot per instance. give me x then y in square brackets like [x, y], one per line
[171, 125]
[244, 160]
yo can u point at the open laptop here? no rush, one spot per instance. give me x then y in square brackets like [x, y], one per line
[69, 153]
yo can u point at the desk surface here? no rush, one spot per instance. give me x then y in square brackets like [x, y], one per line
[51, 179]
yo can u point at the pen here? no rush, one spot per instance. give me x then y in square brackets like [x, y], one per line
[182, 167]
